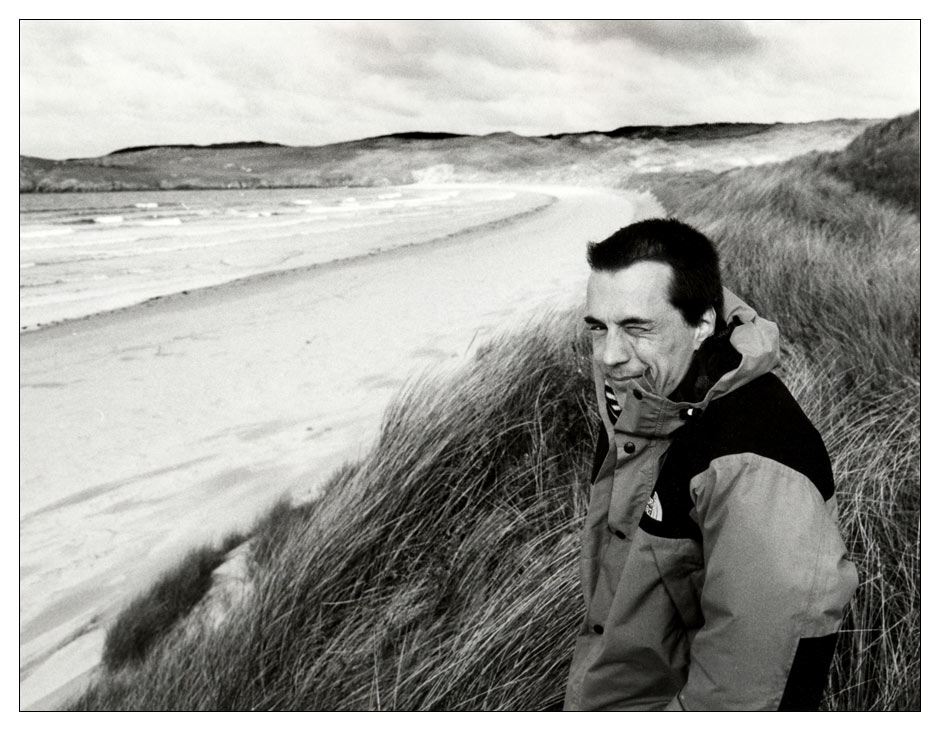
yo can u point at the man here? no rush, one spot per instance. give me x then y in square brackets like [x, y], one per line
[712, 568]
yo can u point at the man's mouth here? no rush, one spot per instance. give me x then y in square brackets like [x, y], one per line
[623, 379]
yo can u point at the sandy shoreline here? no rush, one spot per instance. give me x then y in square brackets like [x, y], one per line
[176, 421]
[86, 272]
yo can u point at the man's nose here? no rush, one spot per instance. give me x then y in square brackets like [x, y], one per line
[617, 349]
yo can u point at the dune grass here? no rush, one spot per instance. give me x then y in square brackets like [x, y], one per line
[440, 573]
[884, 160]
[150, 616]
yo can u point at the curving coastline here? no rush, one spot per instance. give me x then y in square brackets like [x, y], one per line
[305, 238]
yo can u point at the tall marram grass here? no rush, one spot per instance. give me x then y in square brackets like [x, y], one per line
[440, 573]
[884, 160]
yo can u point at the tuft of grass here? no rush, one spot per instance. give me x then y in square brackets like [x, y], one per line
[150, 616]
[281, 523]
[440, 573]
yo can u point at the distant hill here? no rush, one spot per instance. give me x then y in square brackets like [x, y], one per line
[596, 158]
[418, 136]
[218, 146]
[718, 130]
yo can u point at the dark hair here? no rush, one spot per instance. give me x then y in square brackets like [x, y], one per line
[696, 281]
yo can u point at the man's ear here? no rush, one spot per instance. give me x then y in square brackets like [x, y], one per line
[705, 327]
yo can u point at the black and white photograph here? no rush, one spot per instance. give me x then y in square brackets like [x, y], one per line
[469, 365]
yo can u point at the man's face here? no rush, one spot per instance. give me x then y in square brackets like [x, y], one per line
[636, 331]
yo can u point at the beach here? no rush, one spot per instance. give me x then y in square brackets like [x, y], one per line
[164, 425]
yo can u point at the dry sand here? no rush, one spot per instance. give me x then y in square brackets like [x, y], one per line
[157, 428]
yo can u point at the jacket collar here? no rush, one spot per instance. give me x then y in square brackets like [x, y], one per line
[715, 357]
[744, 350]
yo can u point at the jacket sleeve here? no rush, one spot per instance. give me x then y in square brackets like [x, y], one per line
[776, 582]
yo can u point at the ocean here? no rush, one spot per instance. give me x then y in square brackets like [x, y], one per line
[84, 253]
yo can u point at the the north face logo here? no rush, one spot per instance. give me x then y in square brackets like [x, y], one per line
[654, 508]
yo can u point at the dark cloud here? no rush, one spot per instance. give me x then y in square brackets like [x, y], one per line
[714, 39]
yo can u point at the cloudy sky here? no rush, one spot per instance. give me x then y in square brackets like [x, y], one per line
[90, 87]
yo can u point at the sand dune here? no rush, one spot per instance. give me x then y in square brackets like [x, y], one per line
[596, 158]
[167, 425]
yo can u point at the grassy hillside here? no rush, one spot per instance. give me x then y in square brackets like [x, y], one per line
[597, 157]
[884, 160]
[440, 573]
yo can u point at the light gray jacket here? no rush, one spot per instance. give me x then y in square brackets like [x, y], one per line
[713, 572]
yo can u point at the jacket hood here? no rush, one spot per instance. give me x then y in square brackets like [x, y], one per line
[749, 347]
[756, 339]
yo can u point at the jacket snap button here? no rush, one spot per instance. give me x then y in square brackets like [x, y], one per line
[637, 394]
[629, 447]
[620, 534]
[598, 629]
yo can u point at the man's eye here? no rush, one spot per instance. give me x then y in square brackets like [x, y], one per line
[595, 328]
